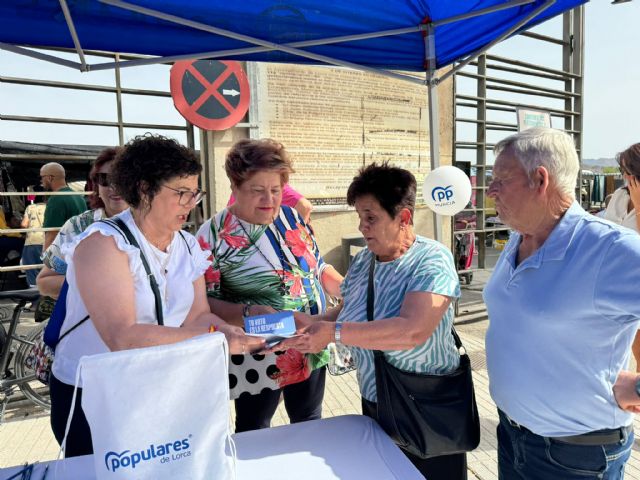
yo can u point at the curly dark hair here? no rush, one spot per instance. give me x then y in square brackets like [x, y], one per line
[247, 157]
[149, 161]
[105, 156]
[393, 187]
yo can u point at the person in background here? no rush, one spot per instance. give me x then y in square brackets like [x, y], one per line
[10, 243]
[158, 178]
[291, 198]
[603, 212]
[32, 250]
[265, 258]
[60, 208]
[104, 203]
[563, 310]
[624, 208]
[415, 283]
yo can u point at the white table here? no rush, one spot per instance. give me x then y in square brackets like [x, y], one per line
[346, 447]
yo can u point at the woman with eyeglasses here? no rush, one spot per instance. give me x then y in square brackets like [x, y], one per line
[265, 258]
[104, 202]
[109, 284]
[624, 208]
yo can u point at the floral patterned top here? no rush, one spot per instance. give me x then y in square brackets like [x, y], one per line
[53, 257]
[277, 265]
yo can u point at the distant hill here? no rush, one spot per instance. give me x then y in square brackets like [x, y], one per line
[599, 162]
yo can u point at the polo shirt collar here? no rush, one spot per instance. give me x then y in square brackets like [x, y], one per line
[559, 241]
[556, 245]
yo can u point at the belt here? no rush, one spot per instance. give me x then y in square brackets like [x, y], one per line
[598, 437]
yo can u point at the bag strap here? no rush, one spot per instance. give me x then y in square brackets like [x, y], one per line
[73, 328]
[370, 305]
[120, 225]
[185, 241]
[371, 299]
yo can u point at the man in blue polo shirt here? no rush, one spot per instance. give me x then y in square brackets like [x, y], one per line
[563, 309]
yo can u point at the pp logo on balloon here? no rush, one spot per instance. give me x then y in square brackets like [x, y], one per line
[447, 190]
[443, 194]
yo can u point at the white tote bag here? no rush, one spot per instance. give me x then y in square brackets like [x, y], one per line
[160, 412]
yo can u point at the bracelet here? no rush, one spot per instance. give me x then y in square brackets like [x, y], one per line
[246, 310]
[338, 333]
[212, 328]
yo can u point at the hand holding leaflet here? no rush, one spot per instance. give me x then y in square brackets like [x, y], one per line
[273, 327]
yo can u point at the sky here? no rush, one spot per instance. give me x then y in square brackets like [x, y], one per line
[611, 87]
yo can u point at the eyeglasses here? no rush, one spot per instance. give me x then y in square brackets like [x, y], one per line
[104, 179]
[186, 197]
[624, 171]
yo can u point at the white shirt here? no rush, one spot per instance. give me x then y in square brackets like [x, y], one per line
[176, 289]
[617, 210]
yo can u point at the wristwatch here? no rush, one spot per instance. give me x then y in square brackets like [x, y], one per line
[638, 386]
[338, 331]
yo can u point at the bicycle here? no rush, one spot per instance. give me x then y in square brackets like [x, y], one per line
[23, 374]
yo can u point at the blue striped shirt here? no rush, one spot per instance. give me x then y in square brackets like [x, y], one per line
[426, 267]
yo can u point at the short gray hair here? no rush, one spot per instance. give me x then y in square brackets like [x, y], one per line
[548, 148]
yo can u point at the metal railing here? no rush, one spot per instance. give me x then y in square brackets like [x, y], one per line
[5, 231]
[530, 86]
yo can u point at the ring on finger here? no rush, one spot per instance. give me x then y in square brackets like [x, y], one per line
[243, 348]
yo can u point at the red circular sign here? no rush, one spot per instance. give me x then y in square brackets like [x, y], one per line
[211, 94]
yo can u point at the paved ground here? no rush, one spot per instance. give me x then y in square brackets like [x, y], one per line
[26, 437]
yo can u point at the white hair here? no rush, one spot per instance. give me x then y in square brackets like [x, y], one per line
[548, 148]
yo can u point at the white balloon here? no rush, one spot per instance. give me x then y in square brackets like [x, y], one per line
[447, 190]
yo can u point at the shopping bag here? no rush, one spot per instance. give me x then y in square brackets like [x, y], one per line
[160, 412]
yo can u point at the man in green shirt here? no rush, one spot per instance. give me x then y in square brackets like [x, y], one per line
[60, 208]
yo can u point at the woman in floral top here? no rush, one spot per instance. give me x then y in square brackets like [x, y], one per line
[265, 259]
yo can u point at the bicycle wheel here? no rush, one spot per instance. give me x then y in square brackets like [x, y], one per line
[35, 391]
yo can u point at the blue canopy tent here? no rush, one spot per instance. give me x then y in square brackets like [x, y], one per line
[381, 36]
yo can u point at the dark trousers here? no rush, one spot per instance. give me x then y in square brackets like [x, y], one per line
[79, 438]
[445, 467]
[303, 401]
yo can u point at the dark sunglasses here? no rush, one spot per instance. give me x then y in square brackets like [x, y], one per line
[104, 179]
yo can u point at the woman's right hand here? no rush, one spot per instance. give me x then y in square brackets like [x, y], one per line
[303, 320]
[239, 342]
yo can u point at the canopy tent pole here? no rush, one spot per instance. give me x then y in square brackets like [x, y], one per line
[40, 56]
[434, 115]
[74, 34]
[255, 41]
[301, 44]
[292, 48]
[252, 50]
[497, 40]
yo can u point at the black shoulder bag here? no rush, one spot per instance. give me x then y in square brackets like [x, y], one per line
[426, 415]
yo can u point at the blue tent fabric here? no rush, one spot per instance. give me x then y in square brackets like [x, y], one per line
[104, 27]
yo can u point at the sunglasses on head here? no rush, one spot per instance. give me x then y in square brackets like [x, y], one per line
[104, 179]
